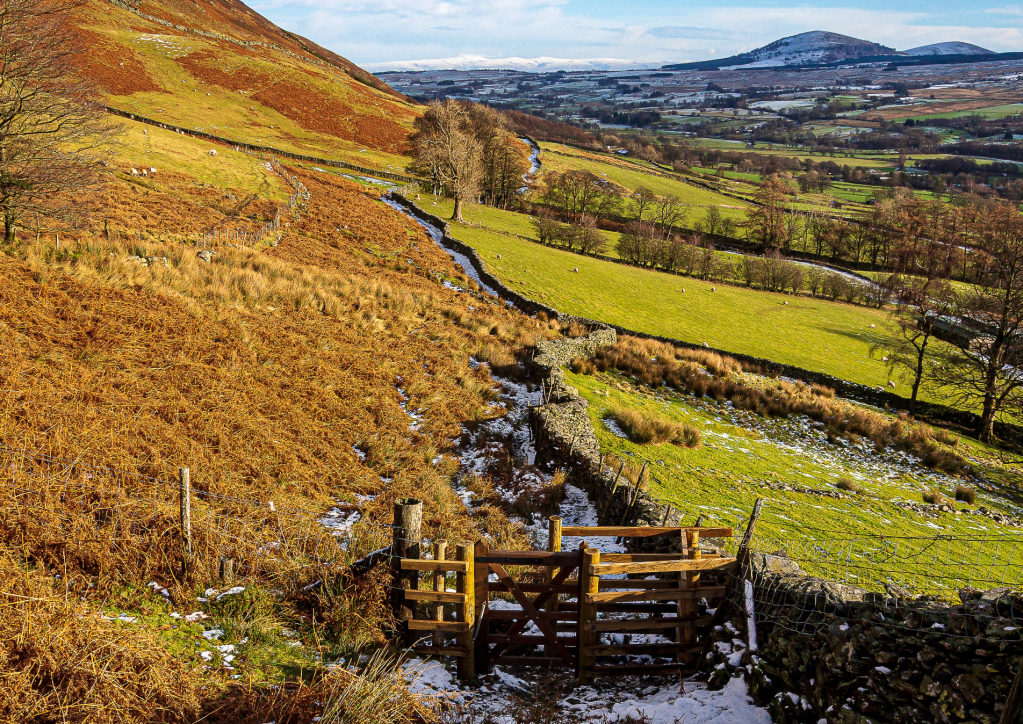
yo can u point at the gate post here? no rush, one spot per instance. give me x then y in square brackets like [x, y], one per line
[588, 583]
[466, 612]
[406, 532]
[554, 546]
[439, 551]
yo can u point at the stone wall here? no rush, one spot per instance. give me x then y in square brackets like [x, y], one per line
[835, 654]
[564, 436]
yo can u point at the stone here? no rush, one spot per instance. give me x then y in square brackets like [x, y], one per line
[206, 255]
[969, 686]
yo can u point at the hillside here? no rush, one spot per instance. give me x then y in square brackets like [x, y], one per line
[812, 48]
[950, 48]
[222, 69]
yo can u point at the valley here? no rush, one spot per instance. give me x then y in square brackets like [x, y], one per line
[320, 390]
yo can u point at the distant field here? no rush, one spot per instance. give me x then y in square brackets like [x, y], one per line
[168, 152]
[993, 112]
[810, 333]
[690, 194]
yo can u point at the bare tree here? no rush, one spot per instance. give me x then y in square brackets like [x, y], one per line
[643, 199]
[924, 312]
[670, 212]
[446, 150]
[545, 226]
[984, 368]
[52, 129]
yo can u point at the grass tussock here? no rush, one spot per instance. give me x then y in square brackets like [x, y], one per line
[848, 484]
[646, 429]
[60, 661]
[583, 366]
[721, 378]
[376, 691]
[966, 494]
[934, 497]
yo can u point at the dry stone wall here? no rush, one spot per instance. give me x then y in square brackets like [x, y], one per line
[835, 654]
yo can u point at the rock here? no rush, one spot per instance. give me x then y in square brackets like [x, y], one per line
[969, 687]
[206, 255]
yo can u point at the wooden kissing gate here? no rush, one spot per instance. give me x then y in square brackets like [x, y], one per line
[505, 605]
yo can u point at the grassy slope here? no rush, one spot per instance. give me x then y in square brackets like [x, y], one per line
[632, 179]
[742, 453]
[809, 333]
[211, 84]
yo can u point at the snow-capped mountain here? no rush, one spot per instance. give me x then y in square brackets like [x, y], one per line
[952, 48]
[812, 48]
[817, 46]
[531, 65]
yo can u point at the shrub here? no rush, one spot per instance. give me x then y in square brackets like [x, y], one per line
[645, 429]
[946, 438]
[933, 497]
[582, 366]
[848, 484]
[966, 494]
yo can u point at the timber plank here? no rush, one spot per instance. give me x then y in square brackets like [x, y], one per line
[434, 596]
[445, 626]
[541, 661]
[674, 594]
[440, 651]
[640, 531]
[505, 614]
[498, 587]
[646, 625]
[430, 566]
[526, 639]
[641, 649]
[610, 569]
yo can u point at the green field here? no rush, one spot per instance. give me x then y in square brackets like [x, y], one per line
[743, 455]
[810, 333]
[991, 112]
[631, 180]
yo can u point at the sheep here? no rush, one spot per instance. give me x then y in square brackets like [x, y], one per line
[213, 152]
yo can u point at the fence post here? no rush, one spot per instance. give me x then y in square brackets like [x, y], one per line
[466, 584]
[408, 523]
[439, 552]
[227, 570]
[184, 476]
[1013, 711]
[588, 583]
[554, 546]
[746, 575]
[689, 607]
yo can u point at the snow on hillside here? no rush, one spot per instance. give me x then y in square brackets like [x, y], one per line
[531, 65]
[816, 46]
[951, 48]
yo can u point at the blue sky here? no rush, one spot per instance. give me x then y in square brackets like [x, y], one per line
[376, 33]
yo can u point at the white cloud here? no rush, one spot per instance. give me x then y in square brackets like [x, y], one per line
[382, 33]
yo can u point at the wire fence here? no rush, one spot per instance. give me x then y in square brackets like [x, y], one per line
[945, 585]
[114, 522]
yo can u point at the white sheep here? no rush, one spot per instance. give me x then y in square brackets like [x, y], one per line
[134, 172]
[213, 152]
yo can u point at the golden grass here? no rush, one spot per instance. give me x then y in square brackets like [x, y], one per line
[60, 661]
[708, 374]
[645, 429]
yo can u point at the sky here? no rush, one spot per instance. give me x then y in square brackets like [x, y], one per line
[387, 34]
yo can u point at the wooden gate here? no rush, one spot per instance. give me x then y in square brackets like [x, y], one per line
[506, 605]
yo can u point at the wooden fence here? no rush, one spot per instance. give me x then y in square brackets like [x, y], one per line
[554, 608]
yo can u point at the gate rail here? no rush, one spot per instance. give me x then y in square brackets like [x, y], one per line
[567, 602]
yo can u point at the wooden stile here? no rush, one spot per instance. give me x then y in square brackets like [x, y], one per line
[440, 548]
[465, 584]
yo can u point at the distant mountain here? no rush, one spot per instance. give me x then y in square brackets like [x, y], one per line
[952, 48]
[816, 47]
[529, 65]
